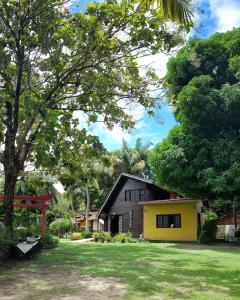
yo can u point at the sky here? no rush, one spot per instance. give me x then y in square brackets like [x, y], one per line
[210, 16]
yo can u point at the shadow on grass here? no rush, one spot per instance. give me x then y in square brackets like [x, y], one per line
[151, 269]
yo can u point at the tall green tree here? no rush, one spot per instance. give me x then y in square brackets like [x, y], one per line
[54, 62]
[200, 156]
[79, 170]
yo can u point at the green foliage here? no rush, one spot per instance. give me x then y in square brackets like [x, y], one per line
[86, 234]
[124, 238]
[220, 234]
[50, 241]
[7, 239]
[237, 233]
[60, 226]
[101, 236]
[209, 229]
[210, 216]
[199, 158]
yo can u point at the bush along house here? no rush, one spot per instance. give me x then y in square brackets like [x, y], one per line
[137, 205]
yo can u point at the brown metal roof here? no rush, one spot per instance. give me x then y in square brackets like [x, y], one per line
[92, 216]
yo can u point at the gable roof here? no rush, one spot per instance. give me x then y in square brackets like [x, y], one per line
[118, 181]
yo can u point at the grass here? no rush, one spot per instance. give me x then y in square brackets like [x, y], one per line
[160, 271]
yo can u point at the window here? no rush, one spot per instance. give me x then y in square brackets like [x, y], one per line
[134, 195]
[169, 221]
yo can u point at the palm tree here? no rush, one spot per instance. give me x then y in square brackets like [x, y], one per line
[131, 160]
[178, 11]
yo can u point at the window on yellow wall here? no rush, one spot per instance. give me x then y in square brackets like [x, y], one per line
[168, 221]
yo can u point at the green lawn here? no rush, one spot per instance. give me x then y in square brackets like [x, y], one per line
[157, 271]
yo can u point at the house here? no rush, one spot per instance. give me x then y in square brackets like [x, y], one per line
[231, 222]
[137, 205]
[229, 219]
[94, 222]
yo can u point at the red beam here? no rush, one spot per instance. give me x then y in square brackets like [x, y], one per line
[43, 198]
[30, 206]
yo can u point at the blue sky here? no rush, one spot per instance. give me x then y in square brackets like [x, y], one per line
[210, 16]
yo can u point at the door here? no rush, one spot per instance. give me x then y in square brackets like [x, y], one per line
[115, 224]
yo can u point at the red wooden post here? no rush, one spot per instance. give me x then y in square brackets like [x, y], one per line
[42, 203]
[43, 222]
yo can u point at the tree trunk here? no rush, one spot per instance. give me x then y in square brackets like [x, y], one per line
[87, 207]
[234, 218]
[9, 188]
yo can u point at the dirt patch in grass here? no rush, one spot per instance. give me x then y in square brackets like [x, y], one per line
[44, 283]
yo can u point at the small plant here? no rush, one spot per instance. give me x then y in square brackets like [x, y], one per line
[50, 241]
[85, 234]
[101, 236]
[60, 226]
[76, 236]
[124, 238]
[21, 234]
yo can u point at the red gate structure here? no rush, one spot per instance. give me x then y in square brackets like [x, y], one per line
[42, 203]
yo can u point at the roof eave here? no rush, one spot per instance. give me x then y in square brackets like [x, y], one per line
[179, 200]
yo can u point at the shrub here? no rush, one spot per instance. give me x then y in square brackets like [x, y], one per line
[8, 241]
[21, 234]
[60, 226]
[124, 238]
[209, 229]
[85, 234]
[237, 233]
[50, 241]
[101, 236]
[76, 236]
[220, 234]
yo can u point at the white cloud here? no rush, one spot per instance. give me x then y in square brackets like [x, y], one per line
[117, 134]
[226, 13]
[157, 62]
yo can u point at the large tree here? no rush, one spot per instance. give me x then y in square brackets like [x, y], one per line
[54, 62]
[200, 156]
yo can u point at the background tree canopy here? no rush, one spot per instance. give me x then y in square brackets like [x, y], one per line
[54, 62]
[200, 156]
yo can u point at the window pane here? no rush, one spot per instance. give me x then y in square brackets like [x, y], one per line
[141, 195]
[127, 195]
[168, 221]
[137, 195]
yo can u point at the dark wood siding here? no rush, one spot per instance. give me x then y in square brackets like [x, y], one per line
[123, 208]
[116, 204]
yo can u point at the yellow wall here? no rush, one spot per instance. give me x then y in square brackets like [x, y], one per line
[188, 231]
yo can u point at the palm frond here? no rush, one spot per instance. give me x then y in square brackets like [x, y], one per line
[178, 11]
